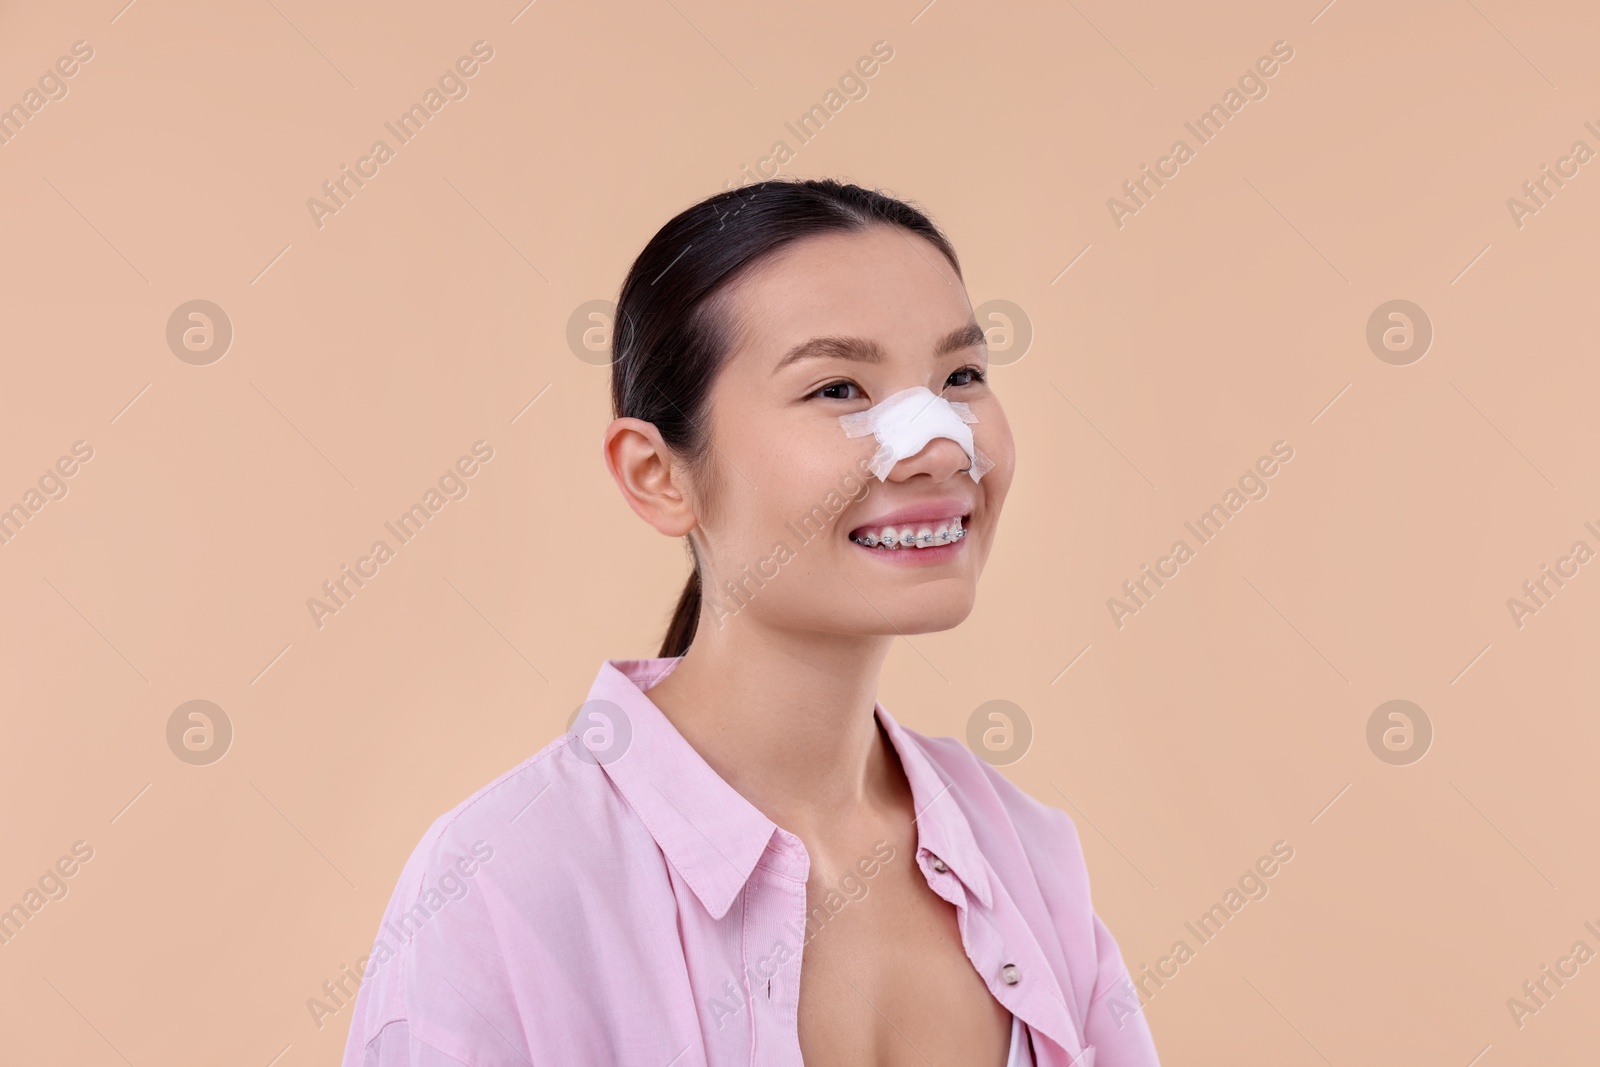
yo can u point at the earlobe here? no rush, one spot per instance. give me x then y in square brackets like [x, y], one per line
[645, 471]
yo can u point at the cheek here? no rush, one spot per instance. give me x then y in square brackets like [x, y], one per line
[785, 468]
[992, 434]
[788, 479]
[808, 454]
[817, 482]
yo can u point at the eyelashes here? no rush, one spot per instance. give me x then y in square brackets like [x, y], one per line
[977, 373]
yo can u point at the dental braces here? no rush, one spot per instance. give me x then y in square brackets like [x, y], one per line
[871, 540]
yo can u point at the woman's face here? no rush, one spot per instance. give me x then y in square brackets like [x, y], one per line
[790, 488]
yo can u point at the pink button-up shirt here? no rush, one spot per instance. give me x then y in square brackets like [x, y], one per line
[616, 902]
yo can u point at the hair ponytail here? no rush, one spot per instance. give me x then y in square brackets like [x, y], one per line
[685, 618]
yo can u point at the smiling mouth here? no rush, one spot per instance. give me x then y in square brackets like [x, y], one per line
[917, 536]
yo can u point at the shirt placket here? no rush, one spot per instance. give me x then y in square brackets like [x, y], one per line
[985, 947]
[773, 942]
[1012, 965]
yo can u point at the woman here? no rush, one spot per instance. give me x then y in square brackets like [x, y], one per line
[645, 889]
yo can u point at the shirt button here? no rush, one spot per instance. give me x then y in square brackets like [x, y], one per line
[939, 865]
[1009, 974]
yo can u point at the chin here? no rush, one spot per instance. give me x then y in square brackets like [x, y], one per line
[935, 619]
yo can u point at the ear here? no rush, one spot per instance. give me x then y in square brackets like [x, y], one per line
[647, 473]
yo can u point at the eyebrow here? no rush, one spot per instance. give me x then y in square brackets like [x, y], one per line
[865, 350]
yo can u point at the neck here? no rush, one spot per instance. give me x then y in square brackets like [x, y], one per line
[786, 718]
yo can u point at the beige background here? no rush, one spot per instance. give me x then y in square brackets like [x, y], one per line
[1229, 313]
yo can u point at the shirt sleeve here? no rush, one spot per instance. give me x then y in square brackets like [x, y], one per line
[393, 1046]
[1114, 1023]
[435, 989]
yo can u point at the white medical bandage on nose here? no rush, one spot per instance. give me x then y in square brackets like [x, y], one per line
[906, 421]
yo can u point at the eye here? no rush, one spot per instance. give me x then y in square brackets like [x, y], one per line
[977, 376]
[841, 384]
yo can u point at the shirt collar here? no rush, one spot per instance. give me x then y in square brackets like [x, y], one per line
[709, 832]
[942, 826]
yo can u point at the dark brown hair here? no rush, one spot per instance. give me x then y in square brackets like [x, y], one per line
[673, 332]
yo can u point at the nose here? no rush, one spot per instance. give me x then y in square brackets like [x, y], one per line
[940, 458]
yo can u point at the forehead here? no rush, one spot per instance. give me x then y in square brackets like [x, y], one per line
[884, 282]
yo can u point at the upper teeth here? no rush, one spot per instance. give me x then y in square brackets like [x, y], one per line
[912, 535]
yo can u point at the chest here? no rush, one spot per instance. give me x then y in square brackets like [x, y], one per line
[887, 981]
